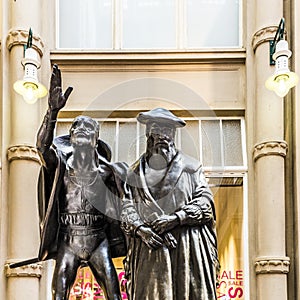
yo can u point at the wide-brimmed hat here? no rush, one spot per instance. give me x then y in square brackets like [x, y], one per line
[160, 115]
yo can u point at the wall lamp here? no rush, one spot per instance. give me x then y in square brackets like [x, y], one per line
[29, 87]
[283, 79]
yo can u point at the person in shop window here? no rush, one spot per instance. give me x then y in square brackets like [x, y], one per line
[168, 215]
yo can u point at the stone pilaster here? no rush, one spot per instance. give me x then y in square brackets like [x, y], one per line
[23, 224]
[269, 151]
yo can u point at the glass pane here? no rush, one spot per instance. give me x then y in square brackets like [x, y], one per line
[211, 143]
[85, 24]
[190, 139]
[229, 211]
[142, 139]
[149, 24]
[108, 135]
[127, 142]
[213, 23]
[232, 143]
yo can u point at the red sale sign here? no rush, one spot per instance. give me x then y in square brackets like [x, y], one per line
[231, 285]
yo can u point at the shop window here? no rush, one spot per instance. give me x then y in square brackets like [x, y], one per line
[220, 144]
[229, 202]
[148, 24]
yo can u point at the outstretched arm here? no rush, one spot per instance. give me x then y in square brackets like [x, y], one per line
[56, 101]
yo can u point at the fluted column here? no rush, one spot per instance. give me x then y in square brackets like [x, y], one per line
[271, 264]
[23, 231]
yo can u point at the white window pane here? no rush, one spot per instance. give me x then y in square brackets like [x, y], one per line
[211, 144]
[85, 24]
[127, 142]
[142, 139]
[232, 143]
[213, 23]
[149, 24]
[108, 135]
[190, 139]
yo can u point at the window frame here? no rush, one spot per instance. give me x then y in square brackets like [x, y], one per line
[211, 170]
[181, 31]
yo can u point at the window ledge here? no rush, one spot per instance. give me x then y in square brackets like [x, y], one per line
[93, 57]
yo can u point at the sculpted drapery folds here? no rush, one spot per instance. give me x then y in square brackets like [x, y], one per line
[169, 218]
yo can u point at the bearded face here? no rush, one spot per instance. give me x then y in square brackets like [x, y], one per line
[160, 145]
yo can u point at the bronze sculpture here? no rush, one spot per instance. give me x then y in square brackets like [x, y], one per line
[169, 217]
[75, 184]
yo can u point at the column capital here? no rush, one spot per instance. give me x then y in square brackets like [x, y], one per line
[32, 270]
[263, 35]
[22, 152]
[20, 36]
[270, 148]
[272, 265]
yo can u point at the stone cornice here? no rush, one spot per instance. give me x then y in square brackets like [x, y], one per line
[272, 265]
[263, 35]
[19, 37]
[270, 148]
[22, 152]
[32, 270]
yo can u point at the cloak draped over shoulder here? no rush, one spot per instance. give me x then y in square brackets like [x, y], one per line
[49, 190]
[189, 271]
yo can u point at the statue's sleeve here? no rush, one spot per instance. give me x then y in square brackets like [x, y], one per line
[200, 209]
[44, 140]
[130, 219]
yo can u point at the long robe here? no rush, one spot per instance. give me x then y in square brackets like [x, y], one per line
[188, 272]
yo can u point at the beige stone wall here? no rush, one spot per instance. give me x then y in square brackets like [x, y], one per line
[190, 86]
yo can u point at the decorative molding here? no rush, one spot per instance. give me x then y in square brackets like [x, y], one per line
[270, 148]
[22, 152]
[95, 61]
[19, 37]
[32, 270]
[263, 35]
[272, 265]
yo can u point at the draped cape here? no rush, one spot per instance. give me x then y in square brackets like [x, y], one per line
[189, 271]
[49, 193]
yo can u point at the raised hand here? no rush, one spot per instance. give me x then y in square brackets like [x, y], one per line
[57, 99]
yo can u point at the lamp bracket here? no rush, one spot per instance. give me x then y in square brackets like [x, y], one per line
[29, 41]
[278, 36]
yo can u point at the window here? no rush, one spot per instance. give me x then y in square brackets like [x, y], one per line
[148, 24]
[217, 142]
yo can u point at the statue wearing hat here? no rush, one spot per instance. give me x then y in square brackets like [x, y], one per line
[168, 215]
[79, 192]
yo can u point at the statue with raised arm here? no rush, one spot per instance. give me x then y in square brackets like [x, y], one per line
[75, 185]
[169, 216]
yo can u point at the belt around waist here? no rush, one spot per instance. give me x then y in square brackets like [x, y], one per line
[81, 219]
[82, 230]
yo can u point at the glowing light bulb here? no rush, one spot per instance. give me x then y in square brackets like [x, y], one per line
[30, 95]
[29, 87]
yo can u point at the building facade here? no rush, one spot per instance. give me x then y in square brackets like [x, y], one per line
[207, 62]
